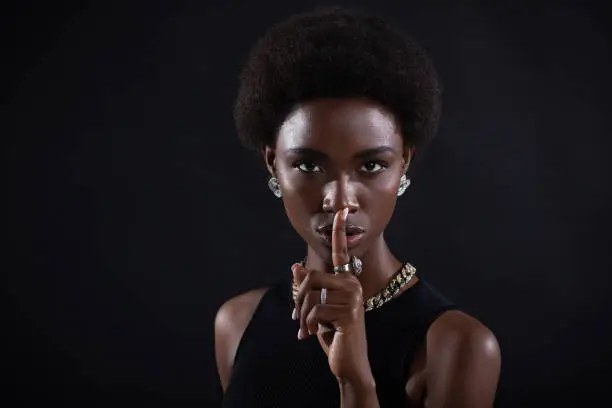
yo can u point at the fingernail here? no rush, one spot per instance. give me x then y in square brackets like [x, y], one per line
[294, 314]
[300, 334]
[345, 214]
[294, 267]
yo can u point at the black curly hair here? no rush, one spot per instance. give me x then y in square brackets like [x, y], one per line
[332, 53]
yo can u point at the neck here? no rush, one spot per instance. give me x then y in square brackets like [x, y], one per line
[379, 265]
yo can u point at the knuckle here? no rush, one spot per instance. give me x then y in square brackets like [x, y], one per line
[311, 319]
[316, 310]
[355, 285]
[307, 279]
[304, 287]
[354, 313]
[360, 291]
[310, 278]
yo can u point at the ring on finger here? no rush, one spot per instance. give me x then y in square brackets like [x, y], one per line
[354, 266]
[323, 296]
[343, 268]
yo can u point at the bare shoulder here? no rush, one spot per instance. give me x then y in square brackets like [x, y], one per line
[231, 321]
[463, 362]
[459, 329]
[238, 310]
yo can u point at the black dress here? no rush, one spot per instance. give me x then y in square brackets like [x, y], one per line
[273, 369]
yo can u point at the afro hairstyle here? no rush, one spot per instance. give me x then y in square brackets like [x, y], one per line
[336, 53]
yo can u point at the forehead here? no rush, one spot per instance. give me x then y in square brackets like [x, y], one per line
[339, 125]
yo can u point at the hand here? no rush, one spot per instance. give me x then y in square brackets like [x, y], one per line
[339, 323]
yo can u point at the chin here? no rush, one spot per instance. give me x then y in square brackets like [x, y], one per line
[325, 251]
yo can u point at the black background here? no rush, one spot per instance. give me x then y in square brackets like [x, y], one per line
[133, 212]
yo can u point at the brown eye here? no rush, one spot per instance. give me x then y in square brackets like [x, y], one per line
[373, 167]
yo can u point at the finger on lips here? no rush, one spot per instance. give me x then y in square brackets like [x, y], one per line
[308, 308]
[340, 254]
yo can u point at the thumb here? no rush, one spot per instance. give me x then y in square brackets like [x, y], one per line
[299, 273]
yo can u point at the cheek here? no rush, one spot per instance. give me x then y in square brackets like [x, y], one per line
[379, 202]
[297, 188]
[386, 185]
[301, 200]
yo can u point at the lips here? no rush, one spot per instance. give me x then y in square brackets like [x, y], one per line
[354, 235]
[350, 229]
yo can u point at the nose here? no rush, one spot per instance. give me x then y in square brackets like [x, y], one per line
[339, 194]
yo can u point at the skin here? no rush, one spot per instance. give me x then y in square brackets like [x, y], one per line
[345, 157]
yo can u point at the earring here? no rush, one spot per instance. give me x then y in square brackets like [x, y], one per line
[275, 187]
[404, 183]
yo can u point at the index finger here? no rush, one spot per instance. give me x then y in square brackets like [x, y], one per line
[340, 254]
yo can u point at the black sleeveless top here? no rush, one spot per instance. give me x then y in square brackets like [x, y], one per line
[273, 369]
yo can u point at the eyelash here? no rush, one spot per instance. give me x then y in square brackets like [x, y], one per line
[301, 162]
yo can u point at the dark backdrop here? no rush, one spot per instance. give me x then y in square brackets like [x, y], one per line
[133, 213]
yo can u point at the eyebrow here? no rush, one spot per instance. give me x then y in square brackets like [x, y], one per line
[306, 151]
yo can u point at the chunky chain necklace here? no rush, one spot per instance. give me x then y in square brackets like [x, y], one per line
[397, 282]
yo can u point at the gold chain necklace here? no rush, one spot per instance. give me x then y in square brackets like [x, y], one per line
[397, 282]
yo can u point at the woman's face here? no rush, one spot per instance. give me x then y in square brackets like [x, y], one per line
[336, 153]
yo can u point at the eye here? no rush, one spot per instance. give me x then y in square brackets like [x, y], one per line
[307, 166]
[373, 167]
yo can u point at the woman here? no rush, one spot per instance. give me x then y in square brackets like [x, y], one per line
[338, 103]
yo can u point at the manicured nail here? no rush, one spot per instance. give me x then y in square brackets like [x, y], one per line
[345, 214]
[300, 334]
[294, 315]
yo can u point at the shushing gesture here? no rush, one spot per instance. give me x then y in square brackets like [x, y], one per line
[331, 306]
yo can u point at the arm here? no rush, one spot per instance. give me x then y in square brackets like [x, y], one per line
[358, 396]
[231, 321]
[463, 363]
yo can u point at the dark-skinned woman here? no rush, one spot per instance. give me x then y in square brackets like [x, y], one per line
[338, 103]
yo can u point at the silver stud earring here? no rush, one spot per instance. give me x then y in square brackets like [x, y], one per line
[404, 183]
[275, 187]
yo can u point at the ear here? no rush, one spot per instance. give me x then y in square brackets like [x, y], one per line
[269, 155]
[407, 156]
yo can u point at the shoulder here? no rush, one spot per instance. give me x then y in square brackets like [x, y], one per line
[457, 328]
[463, 360]
[238, 309]
[231, 321]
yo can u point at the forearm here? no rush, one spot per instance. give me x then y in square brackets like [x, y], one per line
[358, 396]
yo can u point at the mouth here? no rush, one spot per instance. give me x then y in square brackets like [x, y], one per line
[354, 235]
